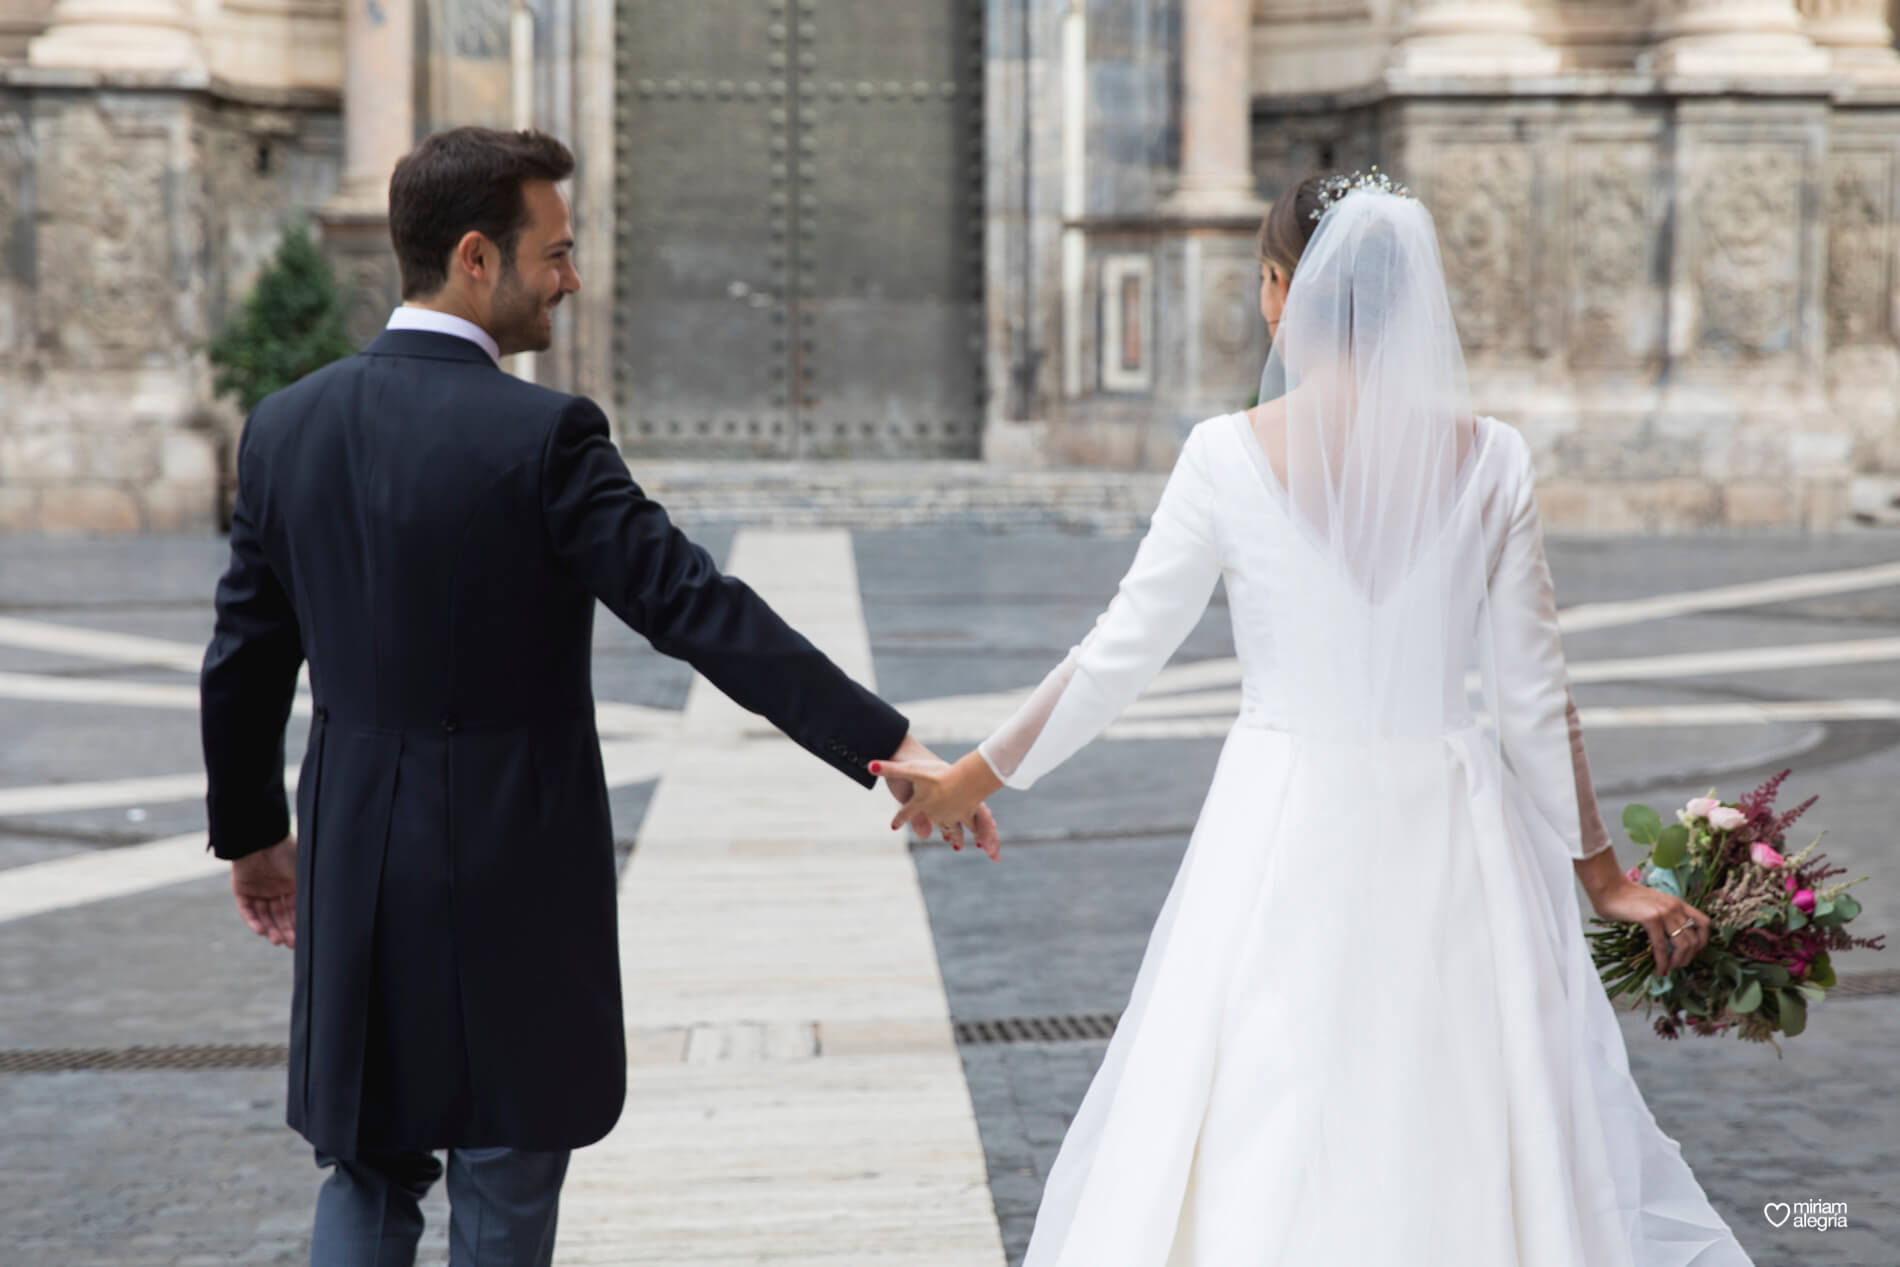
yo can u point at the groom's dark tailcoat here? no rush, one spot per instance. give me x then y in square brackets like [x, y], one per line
[432, 533]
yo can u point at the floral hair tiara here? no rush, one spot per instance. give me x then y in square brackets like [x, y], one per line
[1337, 187]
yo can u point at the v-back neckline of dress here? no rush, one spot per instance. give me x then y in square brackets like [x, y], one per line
[1263, 465]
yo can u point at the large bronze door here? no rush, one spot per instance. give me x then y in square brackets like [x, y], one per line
[799, 224]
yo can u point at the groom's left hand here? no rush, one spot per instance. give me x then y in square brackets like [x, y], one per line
[979, 822]
[912, 749]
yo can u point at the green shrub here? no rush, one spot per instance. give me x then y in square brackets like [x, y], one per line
[291, 323]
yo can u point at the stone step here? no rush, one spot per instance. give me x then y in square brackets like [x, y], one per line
[891, 494]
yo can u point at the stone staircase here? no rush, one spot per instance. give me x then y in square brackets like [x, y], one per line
[893, 494]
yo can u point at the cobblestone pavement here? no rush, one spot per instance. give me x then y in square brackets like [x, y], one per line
[195, 1166]
[1061, 928]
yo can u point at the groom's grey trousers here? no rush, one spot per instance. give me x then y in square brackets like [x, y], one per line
[502, 1207]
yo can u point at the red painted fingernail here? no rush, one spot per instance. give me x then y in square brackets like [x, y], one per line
[877, 767]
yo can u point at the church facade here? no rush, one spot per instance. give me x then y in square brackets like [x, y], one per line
[1019, 230]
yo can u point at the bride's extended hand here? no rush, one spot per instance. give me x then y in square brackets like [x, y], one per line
[1677, 930]
[952, 796]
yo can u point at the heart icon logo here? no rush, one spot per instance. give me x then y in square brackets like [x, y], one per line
[1777, 1212]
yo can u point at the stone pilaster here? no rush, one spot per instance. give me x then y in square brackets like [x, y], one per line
[1444, 38]
[379, 107]
[1216, 111]
[137, 35]
[379, 127]
[1734, 38]
[1857, 36]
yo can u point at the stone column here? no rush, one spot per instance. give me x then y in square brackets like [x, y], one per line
[379, 127]
[120, 35]
[1857, 36]
[20, 21]
[379, 108]
[1734, 38]
[1472, 37]
[1216, 110]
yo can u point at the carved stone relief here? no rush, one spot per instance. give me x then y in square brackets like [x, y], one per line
[1614, 308]
[1746, 213]
[1233, 334]
[105, 238]
[1482, 204]
[1859, 248]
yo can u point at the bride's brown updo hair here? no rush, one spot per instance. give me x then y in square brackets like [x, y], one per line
[1289, 225]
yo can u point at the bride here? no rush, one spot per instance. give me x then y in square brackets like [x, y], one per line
[1367, 1029]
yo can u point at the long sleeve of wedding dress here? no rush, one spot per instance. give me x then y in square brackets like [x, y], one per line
[1157, 605]
[1539, 731]
[1596, 837]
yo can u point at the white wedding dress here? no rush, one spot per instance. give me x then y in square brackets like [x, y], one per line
[1367, 1031]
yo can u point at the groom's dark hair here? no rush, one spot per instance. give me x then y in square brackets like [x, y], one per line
[463, 180]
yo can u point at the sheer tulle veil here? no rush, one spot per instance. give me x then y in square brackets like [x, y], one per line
[1368, 429]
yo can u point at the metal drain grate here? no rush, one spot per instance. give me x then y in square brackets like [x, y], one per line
[1089, 1028]
[1100, 1027]
[71, 1060]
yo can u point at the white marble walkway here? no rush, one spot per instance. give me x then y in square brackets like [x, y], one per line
[794, 1092]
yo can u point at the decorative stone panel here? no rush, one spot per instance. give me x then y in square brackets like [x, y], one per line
[1481, 198]
[1744, 216]
[1860, 240]
[1612, 218]
[106, 194]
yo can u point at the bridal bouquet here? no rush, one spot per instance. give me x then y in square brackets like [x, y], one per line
[1777, 919]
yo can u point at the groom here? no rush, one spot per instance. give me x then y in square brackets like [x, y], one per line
[432, 534]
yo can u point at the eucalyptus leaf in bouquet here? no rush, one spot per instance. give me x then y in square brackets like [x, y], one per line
[1778, 919]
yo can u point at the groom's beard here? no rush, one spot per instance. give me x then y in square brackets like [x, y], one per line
[521, 320]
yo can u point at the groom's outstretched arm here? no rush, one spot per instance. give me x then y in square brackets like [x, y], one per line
[623, 547]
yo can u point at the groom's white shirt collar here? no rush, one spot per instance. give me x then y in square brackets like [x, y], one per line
[409, 318]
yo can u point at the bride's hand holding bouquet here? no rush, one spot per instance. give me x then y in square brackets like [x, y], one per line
[1677, 931]
[1774, 921]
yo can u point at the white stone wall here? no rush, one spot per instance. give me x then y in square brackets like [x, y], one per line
[1677, 271]
[1670, 231]
[135, 217]
[1686, 299]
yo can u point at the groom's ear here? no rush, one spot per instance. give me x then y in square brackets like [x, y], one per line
[476, 257]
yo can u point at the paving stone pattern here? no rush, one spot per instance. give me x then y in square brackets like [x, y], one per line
[118, 1168]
